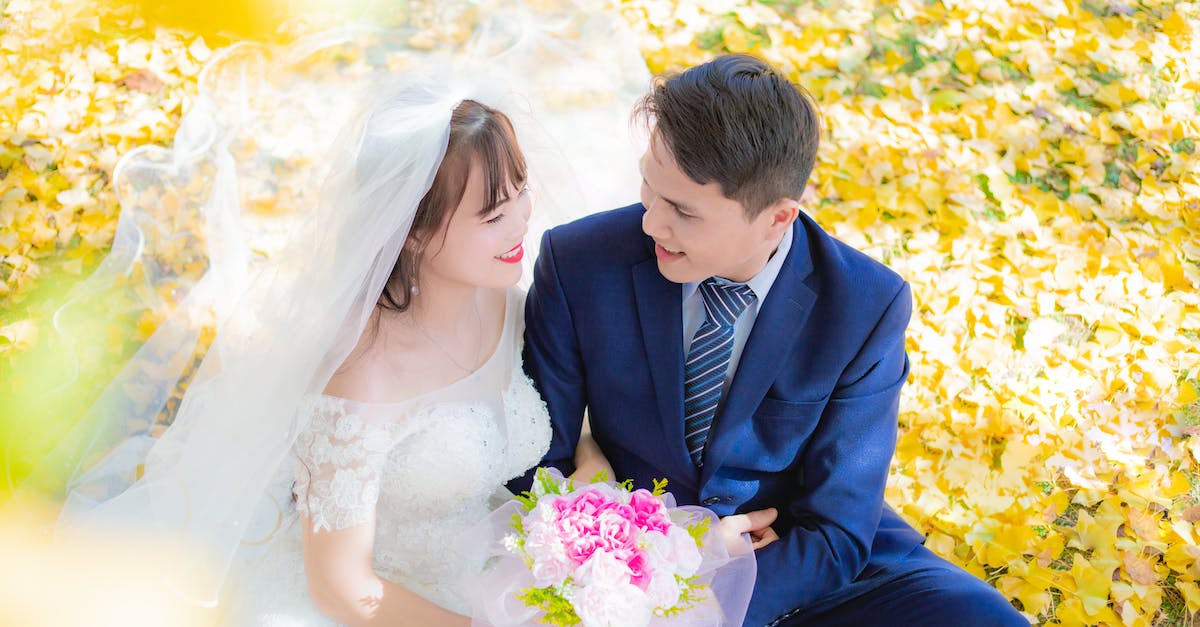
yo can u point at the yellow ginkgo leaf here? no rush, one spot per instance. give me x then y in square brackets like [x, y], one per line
[1191, 594]
[964, 60]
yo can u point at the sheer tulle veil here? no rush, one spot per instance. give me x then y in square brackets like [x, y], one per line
[289, 191]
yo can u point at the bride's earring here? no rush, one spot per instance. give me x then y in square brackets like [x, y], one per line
[409, 248]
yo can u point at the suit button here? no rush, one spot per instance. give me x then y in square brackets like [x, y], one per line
[712, 500]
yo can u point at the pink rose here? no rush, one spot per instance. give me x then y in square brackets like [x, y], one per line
[615, 531]
[644, 503]
[580, 549]
[639, 568]
[592, 520]
[588, 503]
[580, 542]
[579, 535]
[618, 508]
[649, 513]
[571, 523]
[622, 554]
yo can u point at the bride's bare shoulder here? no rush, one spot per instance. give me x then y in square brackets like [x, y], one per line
[369, 373]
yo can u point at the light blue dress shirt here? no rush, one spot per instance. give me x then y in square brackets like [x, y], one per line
[760, 284]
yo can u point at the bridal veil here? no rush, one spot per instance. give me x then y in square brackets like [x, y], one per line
[266, 233]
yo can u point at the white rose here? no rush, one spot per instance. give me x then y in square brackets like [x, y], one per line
[542, 542]
[663, 590]
[549, 571]
[658, 549]
[602, 569]
[537, 532]
[621, 605]
[684, 552]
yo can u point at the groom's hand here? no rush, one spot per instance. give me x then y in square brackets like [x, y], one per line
[756, 523]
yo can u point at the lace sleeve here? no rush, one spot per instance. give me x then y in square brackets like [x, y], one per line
[339, 459]
[529, 430]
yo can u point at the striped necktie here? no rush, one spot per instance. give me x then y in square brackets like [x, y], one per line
[708, 359]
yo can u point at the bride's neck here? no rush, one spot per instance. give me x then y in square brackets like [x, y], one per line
[448, 308]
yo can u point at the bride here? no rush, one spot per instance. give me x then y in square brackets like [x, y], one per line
[430, 414]
[363, 401]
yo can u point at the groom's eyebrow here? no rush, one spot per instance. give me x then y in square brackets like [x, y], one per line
[674, 203]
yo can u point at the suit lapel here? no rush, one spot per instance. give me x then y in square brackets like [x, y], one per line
[660, 311]
[780, 319]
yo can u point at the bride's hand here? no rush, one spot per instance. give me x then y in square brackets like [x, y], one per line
[589, 459]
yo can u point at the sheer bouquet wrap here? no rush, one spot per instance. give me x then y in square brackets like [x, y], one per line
[603, 554]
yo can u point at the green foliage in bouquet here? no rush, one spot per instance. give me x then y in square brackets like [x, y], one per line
[698, 530]
[690, 596]
[557, 608]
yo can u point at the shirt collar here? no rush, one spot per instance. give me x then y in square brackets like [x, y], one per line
[760, 283]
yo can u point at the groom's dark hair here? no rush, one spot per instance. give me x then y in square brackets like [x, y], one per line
[740, 122]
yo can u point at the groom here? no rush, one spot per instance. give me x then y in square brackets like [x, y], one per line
[717, 337]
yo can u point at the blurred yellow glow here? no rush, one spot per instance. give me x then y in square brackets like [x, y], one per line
[248, 18]
[99, 580]
[258, 19]
[48, 387]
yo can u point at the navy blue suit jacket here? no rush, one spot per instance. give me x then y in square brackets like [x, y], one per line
[809, 423]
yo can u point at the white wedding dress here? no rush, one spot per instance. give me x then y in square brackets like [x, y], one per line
[425, 469]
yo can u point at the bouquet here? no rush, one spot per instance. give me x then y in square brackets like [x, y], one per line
[604, 554]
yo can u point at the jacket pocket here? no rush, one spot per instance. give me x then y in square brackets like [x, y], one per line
[791, 410]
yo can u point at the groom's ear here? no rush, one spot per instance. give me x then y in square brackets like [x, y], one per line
[780, 215]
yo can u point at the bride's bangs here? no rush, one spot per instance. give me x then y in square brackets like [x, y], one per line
[494, 147]
[483, 137]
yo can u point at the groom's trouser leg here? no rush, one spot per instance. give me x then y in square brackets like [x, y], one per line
[921, 589]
